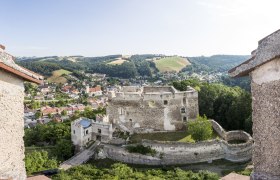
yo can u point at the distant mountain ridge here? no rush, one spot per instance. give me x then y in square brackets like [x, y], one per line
[131, 66]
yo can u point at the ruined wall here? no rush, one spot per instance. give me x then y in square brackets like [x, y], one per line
[12, 127]
[175, 153]
[157, 109]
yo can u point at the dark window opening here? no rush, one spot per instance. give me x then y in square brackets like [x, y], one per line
[183, 110]
[74, 131]
[99, 131]
[86, 131]
[184, 118]
[165, 102]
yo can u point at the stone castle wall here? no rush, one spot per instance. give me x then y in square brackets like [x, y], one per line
[12, 125]
[175, 153]
[155, 111]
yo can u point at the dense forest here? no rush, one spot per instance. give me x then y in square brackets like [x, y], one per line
[229, 106]
[136, 65]
[216, 63]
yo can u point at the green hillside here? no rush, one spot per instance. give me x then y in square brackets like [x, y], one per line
[168, 64]
[57, 76]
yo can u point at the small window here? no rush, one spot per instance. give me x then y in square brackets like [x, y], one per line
[184, 118]
[165, 102]
[86, 131]
[74, 131]
[183, 110]
[99, 131]
[88, 139]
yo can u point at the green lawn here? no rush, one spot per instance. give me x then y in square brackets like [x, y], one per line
[161, 136]
[57, 76]
[174, 63]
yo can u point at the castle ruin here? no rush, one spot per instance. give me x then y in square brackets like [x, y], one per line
[147, 109]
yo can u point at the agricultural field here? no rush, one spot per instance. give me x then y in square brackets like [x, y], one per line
[168, 64]
[57, 76]
[117, 62]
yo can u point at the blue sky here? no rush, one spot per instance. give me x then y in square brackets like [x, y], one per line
[103, 27]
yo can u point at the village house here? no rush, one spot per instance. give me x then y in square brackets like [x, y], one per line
[264, 70]
[96, 91]
[12, 77]
[84, 130]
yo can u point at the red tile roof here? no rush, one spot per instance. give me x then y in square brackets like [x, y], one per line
[7, 64]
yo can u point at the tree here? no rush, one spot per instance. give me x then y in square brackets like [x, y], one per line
[38, 161]
[200, 129]
[64, 149]
[64, 113]
[38, 114]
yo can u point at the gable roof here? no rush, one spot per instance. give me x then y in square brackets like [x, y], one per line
[8, 64]
[268, 49]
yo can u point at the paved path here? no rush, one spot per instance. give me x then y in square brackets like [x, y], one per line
[80, 158]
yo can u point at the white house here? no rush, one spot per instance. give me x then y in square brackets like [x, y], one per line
[84, 130]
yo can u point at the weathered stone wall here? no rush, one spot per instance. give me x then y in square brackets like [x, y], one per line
[266, 128]
[159, 109]
[12, 127]
[175, 153]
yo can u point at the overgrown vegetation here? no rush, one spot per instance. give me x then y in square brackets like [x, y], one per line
[39, 161]
[200, 129]
[122, 171]
[141, 150]
[53, 134]
[229, 106]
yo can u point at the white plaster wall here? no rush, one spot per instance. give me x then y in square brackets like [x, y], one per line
[11, 127]
[266, 73]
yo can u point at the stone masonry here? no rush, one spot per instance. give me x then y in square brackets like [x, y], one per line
[144, 109]
[264, 69]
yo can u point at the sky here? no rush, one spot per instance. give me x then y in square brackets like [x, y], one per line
[105, 27]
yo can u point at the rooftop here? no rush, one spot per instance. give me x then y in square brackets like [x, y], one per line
[8, 64]
[85, 123]
[268, 49]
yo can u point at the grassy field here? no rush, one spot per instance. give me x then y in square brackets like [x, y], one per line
[174, 63]
[117, 62]
[57, 76]
[161, 136]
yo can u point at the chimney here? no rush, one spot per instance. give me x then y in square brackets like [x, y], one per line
[2, 48]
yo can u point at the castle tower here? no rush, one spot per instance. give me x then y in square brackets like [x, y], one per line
[264, 69]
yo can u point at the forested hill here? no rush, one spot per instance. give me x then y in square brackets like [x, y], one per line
[131, 66]
[215, 63]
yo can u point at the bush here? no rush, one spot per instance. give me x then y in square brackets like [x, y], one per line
[141, 150]
[200, 129]
[39, 161]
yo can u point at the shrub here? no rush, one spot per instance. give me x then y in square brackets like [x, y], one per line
[141, 149]
[200, 129]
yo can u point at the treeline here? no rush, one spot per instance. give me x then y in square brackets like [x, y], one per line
[122, 171]
[216, 63]
[229, 106]
[43, 68]
[134, 66]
